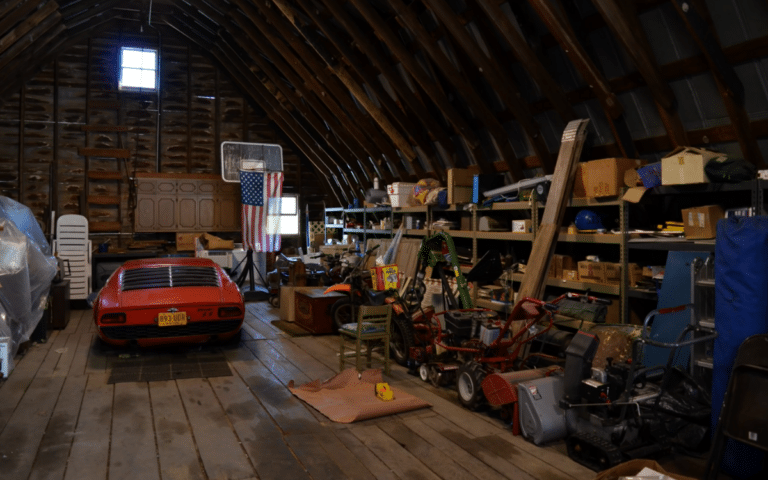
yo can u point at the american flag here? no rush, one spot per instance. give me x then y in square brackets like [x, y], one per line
[260, 215]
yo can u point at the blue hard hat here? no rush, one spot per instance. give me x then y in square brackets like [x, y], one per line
[588, 220]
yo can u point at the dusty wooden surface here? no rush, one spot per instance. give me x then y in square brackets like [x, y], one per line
[60, 419]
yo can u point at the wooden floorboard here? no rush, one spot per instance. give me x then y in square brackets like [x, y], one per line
[59, 419]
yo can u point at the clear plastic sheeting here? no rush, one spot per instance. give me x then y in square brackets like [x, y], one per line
[26, 271]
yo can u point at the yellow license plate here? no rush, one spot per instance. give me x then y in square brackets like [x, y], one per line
[171, 319]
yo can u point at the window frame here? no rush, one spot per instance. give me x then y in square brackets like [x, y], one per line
[155, 69]
[297, 215]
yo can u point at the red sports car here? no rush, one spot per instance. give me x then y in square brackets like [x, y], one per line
[168, 300]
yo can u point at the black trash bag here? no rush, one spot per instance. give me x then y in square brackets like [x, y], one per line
[729, 170]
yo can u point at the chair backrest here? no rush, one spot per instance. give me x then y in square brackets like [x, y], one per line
[376, 318]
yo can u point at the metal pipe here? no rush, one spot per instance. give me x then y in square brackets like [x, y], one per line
[159, 97]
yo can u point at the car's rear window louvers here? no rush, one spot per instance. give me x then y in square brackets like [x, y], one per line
[168, 277]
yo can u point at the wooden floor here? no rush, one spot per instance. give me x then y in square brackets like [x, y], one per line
[60, 419]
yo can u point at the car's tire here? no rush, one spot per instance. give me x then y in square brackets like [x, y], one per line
[468, 385]
[401, 339]
[342, 312]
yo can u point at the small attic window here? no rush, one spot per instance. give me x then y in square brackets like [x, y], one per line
[138, 69]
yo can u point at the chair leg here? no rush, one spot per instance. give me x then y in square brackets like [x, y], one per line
[386, 356]
[368, 354]
[357, 354]
[341, 354]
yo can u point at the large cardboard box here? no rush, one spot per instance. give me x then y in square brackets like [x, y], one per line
[186, 241]
[559, 264]
[686, 165]
[460, 185]
[592, 271]
[701, 222]
[635, 274]
[605, 177]
[401, 194]
[633, 467]
[612, 273]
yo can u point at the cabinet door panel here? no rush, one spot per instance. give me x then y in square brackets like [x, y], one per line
[187, 213]
[206, 217]
[229, 214]
[145, 214]
[166, 213]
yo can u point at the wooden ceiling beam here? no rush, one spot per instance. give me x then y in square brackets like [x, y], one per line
[295, 99]
[24, 27]
[282, 57]
[332, 85]
[529, 60]
[10, 18]
[286, 123]
[505, 86]
[390, 74]
[409, 20]
[697, 20]
[21, 46]
[561, 29]
[402, 55]
[356, 89]
[360, 67]
[623, 22]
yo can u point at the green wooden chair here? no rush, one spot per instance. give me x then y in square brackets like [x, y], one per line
[372, 327]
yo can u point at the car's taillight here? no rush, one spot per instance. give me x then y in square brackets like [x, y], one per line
[226, 312]
[113, 318]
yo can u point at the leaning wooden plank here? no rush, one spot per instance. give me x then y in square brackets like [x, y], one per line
[220, 450]
[261, 438]
[535, 277]
[403, 463]
[175, 445]
[89, 456]
[439, 461]
[133, 453]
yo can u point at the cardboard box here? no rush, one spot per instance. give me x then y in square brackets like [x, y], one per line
[686, 165]
[401, 194]
[571, 275]
[185, 242]
[466, 223]
[701, 222]
[559, 264]
[612, 273]
[212, 242]
[635, 274]
[633, 467]
[385, 277]
[592, 271]
[521, 226]
[459, 185]
[605, 178]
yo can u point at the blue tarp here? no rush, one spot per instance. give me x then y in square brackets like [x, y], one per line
[741, 310]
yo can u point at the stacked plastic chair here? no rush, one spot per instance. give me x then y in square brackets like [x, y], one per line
[74, 249]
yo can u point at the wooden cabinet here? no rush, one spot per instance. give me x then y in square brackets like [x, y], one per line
[186, 203]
